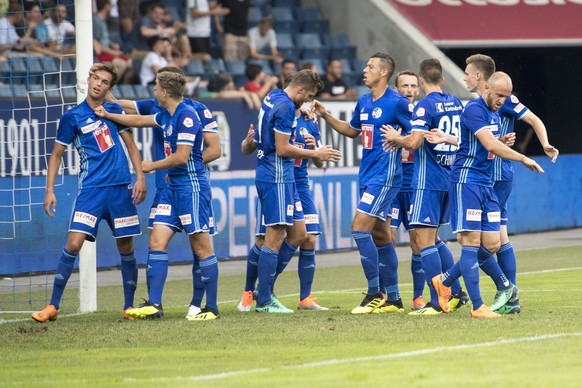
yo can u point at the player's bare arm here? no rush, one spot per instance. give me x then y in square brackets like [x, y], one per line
[340, 126]
[496, 147]
[437, 136]
[176, 159]
[312, 145]
[248, 145]
[128, 120]
[540, 129]
[50, 200]
[286, 150]
[508, 140]
[212, 150]
[139, 188]
[394, 140]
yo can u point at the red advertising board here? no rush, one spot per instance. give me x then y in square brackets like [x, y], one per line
[495, 22]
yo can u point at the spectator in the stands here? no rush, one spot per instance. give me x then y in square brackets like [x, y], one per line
[107, 50]
[288, 67]
[263, 41]
[158, 23]
[60, 29]
[334, 87]
[129, 17]
[35, 33]
[222, 86]
[9, 38]
[259, 82]
[199, 21]
[235, 29]
[160, 56]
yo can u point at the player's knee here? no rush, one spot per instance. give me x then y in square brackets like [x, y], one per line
[493, 246]
[309, 242]
[125, 245]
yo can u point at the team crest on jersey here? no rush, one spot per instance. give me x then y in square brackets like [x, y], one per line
[411, 107]
[188, 122]
[169, 130]
[207, 114]
[420, 112]
[514, 99]
[439, 107]
[377, 112]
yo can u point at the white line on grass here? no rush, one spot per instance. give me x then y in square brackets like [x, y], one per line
[341, 361]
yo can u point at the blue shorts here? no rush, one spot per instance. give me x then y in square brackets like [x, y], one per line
[309, 211]
[111, 203]
[184, 210]
[401, 207]
[376, 200]
[503, 190]
[279, 203]
[154, 207]
[260, 227]
[474, 208]
[430, 208]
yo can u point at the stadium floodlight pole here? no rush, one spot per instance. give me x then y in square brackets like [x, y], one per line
[84, 53]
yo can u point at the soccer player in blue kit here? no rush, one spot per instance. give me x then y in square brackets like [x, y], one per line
[105, 190]
[432, 165]
[185, 202]
[275, 179]
[380, 178]
[212, 151]
[475, 209]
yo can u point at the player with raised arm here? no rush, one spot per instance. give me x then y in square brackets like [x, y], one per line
[475, 210]
[211, 152]
[184, 204]
[432, 165]
[275, 181]
[380, 178]
[105, 190]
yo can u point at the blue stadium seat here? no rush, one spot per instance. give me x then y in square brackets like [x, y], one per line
[319, 26]
[339, 40]
[53, 91]
[215, 66]
[69, 93]
[255, 14]
[126, 92]
[346, 52]
[282, 14]
[235, 67]
[359, 65]
[305, 13]
[293, 53]
[321, 53]
[195, 68]
[361, 90]
[319, 64]
[239, 80]
[308, 40]
[142, 92]
[19, 90]
[68, 75]
[284, 40]
[264, 63]
[290, 27]
[286, 3]
[347, 65]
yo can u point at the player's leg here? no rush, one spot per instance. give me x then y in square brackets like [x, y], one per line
[202, 247]
[505, 254]
[252, 272]
[296, 235]
[418, 280]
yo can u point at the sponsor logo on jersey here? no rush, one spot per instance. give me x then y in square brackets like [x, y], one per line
[185, 219]
[494, 216]
[103, 137]
[473, 215]
[395, 212]
[186, 136]
[153, 212]
[211, 222]
[260, 154]
[368, 198]
[188, 122]
[91, 127]
[124, 222]
[519, 107]
[439, 107]
[85, 218]
[363, 116]
[89, 120]
[420, 111]
[167, 148]
[367, 136]
[377, 112]
[299, 206]
[311, 218]
[164, 209]
[169, 131]
[211, 125]
[289, 210]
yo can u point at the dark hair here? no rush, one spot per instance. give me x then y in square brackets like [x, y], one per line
[253, 70]
[154, 39]
[386, 61]
[484, 63]
[100, 4]
[405, 72]
[431, 71]
[108, 67]
[173, 83]
[308, 79]
[218, 82]
[287, 61]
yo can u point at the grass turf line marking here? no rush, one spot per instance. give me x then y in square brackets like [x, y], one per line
[352, 360]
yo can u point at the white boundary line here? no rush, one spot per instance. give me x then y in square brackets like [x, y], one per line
[342, 361]
[3, 321]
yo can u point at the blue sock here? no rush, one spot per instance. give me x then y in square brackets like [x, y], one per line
[209, 276]
[306, 271]
[267, 272]
[452, 274]
[470, 270]
[431, 264]
[64, 271]
[417, 276]
[129, 277]
[447, 262]
[157, 274]
[369, 259]
[252, 268]
[285, 255]
[507, 262]
[197, 284]
[387, 256]
[490, 266]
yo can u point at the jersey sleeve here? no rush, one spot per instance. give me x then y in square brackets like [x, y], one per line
[144, 107]
[284, 115]
[314, 128]
[476, 119]
[66, 129]
[188, 125]
[421, 118]
[355, 122]
[207, 119]
[404, 114]
[513, 108]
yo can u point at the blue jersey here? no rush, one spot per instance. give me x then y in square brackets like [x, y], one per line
[304, 127]
[433, 161]
[512, 109]
[378, 166]
[103, 161]
[474, 163]
[184, 128]
[151, 106]
[407, 160]
[277, 114]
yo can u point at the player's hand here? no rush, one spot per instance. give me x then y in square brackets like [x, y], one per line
[389, 134]
[328, 154]
[93, 68]
[310, 141]
[101, 111]
[139, 192]
[508, 140]
[250, 135]
[50, 204]
[552, 152]
[435, 136]
[317, 108]
[109, 97]
[531, 165]
[147, 166]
